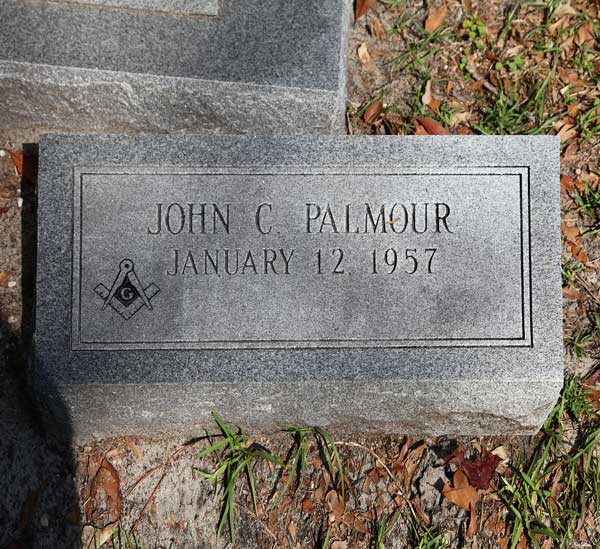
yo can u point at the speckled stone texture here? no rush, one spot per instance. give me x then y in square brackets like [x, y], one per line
[177, 7]
[467, 387]
[258, 67]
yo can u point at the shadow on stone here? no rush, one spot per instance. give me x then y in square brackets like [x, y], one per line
[38, 497]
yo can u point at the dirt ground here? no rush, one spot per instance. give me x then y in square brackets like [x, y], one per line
[456, 67]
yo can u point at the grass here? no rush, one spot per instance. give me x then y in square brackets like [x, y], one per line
[419, 51]
[577, 343]
[508, 114]
[383, 527]
[569, 270]
[550, 493]
[444, 112]
[426, 538]
[236, 459]
[587, 204]
[298, 459]
[588, 122]
[327, 450]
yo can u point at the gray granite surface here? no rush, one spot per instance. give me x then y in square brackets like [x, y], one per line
[259, 66]
[472, 347]
[174, 7]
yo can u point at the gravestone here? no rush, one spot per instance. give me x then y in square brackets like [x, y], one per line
[230, 66]
[407, 284]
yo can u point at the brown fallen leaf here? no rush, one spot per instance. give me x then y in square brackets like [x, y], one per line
[571, 233]
[431, 126]
[461, 493]
[365, 57]
[472, 530]
[579, 254]
[480, 469]
[134, 448]
[105, 503]
[307, 506]
[17, 159]
[292, 530]
[376, 29]
[362, 7]
[567, 132]
[95, 537]
[373, 112]
[4, 279]
[416, 503]
[586, 35]
[419, 130]
[436, 18]
[429, 100]
[412, 463]
[569, 292]
[570, 152]
[566, 184]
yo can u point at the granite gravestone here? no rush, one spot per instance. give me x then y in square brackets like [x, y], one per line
[235, 66]
[401, 283]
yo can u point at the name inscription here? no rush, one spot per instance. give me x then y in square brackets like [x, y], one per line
[307, 258]
[203, 218]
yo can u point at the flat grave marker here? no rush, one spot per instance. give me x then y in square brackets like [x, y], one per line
[367, 283]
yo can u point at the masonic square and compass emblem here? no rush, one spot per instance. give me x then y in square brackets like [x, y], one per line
[126, 294]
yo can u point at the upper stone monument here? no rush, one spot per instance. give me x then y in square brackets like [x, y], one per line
[236, 66]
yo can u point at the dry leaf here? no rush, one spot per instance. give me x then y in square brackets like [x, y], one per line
[566, 184]
[17, 159]
[431, 126]
[419, 130]
[429, 100]
[501, 452]
[571, 151]
[292, 531]
[462, 493]
[104, 504]
[436, 18]
[307, 506]
[95, 537]
[365, 57]
[585, 35]
[4, 279]
[427, 96]
[134, 448]
[578, 253]
[569, 292]
[479, 470]
[416, 503]
[412, 463]
[472, 530]
[567, 132]
[461, 117]
[362, 7]
[376, 29]
[373, 112]
[571, 233]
